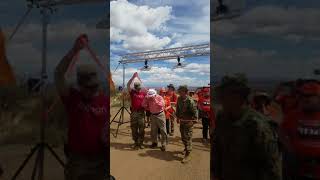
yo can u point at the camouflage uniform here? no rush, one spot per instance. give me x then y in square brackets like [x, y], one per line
[246, 148]
[137, 126]
[187, 113]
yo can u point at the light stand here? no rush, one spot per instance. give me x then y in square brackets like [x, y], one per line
[42, 145]
[123, 108]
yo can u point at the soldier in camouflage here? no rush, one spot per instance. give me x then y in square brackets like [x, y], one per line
[245, 145]
[186, 115]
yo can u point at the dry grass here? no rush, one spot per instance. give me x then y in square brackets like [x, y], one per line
[20, 120]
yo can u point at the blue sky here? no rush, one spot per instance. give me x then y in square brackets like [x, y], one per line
[275, 40]
[24, 52]
[143, 25]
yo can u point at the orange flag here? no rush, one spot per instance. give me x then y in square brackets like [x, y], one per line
[111, 84]
[6, 73]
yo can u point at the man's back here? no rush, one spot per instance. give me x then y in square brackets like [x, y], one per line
[137, 99]
[245, 149]
[86, 122]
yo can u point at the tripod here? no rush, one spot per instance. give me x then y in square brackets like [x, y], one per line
[42, 145]
[122, 109]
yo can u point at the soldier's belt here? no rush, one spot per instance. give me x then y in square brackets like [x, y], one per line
[156, 114]
[188, 120]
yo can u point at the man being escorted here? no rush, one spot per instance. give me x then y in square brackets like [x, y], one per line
[155, 104]
[137, 115]
[88, 113]
[245, 145]
[186, 115]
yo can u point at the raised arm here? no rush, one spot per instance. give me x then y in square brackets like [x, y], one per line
[129, 83]
[61, 69]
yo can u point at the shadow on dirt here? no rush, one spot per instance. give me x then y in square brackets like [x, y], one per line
[122, 146]
[166, 156]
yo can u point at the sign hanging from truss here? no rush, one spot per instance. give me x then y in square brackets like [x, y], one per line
[226, 9]
[167, 54]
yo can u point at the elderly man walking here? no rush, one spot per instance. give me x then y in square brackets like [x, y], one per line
[155, 104]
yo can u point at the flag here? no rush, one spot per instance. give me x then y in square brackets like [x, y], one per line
[7, 77]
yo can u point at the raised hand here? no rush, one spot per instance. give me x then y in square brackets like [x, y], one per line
[80, 42]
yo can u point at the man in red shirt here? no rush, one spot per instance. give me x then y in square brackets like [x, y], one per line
[88, 114]
[173, 97]
[137, 115]
[204, 111]
[299, 129]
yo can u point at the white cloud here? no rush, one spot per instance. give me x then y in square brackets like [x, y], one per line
[146, 42]
[291, 23]
[261, 64]
[164, 75]
[134, 25]
[202, 69]
[193, 29]
[58, 32]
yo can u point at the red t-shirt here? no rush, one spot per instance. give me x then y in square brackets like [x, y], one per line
[303, 133]
[137, 99]
[174, 98]
[87, 122]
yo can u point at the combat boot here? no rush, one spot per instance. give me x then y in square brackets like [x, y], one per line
[154, 145]
[163, 148]
[186, 158]
[184, 152]
[141, 146]
[135, 146]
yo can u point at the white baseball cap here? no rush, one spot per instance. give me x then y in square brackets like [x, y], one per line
[151, 92]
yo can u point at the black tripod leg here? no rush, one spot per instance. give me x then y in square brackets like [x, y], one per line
[33, 150]
[34, 171]
[114, 119]
[127, 110]
[55, 155]
[120, 121]
[129, 114]
[115, 115]
[41, 162]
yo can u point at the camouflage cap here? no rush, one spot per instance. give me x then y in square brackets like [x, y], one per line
[237, 83]
[183, 88]
[137, 85]
[87, 75]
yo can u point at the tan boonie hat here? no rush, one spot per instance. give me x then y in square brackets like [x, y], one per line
[87, 75]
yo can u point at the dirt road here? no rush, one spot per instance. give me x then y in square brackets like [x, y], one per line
[11, 157]
[153, 164]
[126, 164]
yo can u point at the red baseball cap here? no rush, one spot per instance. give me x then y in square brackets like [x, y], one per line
[311, 88]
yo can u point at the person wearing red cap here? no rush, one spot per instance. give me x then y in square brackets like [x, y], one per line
[212, 117]
[173, 97]
[298, 131]
[167, 109]
[204, 111]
